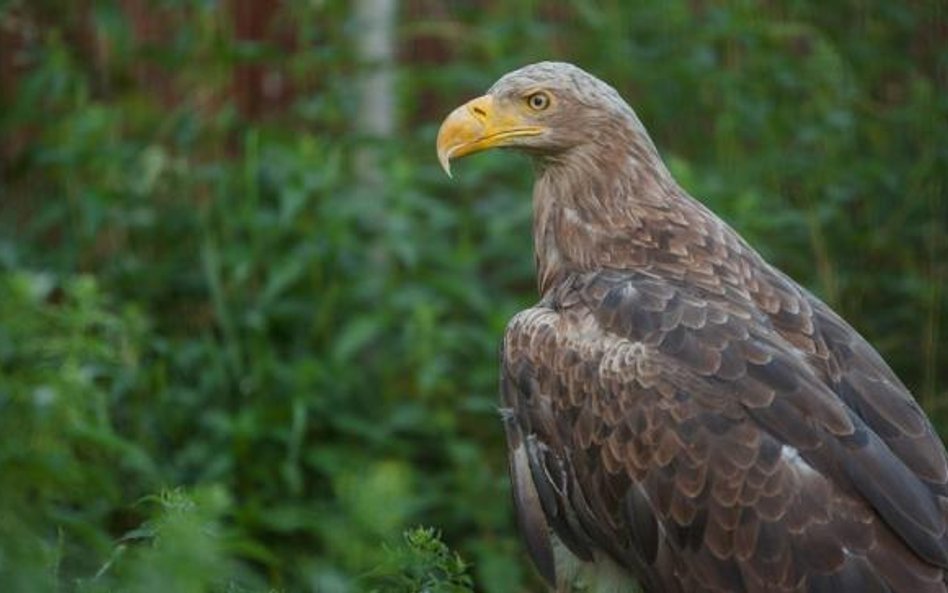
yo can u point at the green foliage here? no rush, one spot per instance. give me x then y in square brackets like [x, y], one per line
[183, 547]
[422, 563]
[230, 363]
[70, 477]
[64, 362]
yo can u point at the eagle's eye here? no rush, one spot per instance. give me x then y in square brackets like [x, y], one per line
[538, 101]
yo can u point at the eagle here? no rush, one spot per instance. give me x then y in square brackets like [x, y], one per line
[680, 415]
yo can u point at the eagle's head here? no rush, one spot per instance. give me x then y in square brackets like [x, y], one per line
[545, 109]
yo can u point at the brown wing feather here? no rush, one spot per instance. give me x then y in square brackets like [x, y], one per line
[706, 445]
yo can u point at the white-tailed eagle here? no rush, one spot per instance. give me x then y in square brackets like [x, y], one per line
[679, 413]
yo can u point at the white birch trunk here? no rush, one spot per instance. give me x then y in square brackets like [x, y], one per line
[375, 46]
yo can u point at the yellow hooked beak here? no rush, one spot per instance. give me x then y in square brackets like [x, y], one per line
[478, 125]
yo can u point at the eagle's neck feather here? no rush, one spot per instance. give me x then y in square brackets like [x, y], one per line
[594, 206]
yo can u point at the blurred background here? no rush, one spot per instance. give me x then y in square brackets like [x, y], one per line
[249, 330]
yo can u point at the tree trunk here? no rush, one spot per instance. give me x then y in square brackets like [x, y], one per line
[375, 46]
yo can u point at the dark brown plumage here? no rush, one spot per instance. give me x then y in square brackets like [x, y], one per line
[680, 413]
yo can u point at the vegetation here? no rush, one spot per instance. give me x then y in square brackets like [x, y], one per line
[229, 361]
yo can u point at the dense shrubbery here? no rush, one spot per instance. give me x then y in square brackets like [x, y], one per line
[227, 365]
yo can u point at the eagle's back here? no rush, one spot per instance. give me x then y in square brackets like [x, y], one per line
[705, 443]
